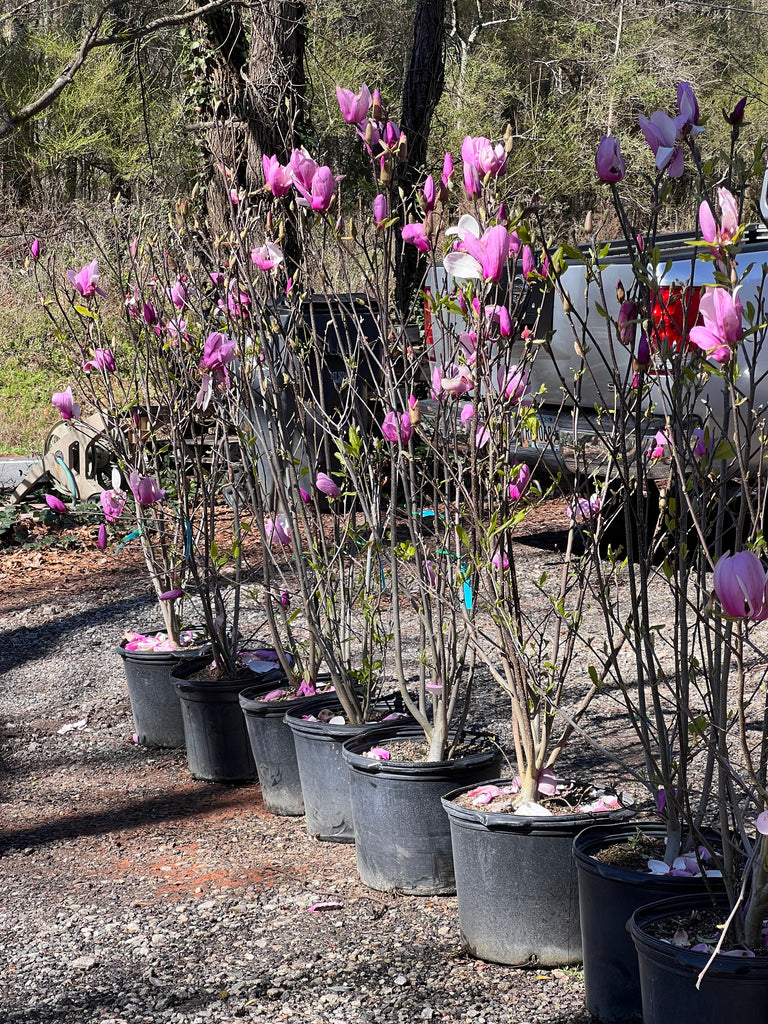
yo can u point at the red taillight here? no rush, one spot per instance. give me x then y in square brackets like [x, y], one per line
[429, 341]
[674, 312]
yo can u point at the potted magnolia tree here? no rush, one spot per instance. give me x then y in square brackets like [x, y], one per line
[172, 489]
[682, 423]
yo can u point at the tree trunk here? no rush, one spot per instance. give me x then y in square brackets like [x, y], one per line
[422, 90]
[257, 103]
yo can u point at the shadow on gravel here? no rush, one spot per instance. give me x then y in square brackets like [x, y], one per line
[22, 644]
[186, 803]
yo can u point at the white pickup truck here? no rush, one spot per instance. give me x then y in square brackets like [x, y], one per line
[567, 415]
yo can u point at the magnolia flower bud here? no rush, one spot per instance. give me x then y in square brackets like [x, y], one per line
[567, 307]
[369, 132]
[588, 223]
[620, 293]
[508, 140]
[377, 109]
[385, 170]
[402, 148]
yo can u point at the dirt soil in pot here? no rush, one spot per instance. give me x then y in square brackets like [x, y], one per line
[133, 894]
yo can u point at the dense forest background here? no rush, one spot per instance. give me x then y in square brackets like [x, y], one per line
[138, 102]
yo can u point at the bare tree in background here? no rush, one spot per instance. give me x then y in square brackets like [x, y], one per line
[422, 90]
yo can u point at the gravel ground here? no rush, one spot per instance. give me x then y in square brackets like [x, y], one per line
[133, 893]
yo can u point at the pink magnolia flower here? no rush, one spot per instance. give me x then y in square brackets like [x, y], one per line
[429, 194]
[150, 314]
[324, 483]
[279, 178]
[447, 175]
[218, 351]
[720, 235]
[471, 177]
[320, 193]
[436, 391]
[662, 135]
[467, 412]
[392, 135]
[416, 235]
[482, 154]
[585, 508]
[499, 315]
[65, 403]
[269, 256]
[609, 162]
[102, 539]
[484, 257]
[34, 249]
[722, 328]
[741, 585]
[113, 503]
[145, 489]
[176, 328]
[85, 280]
[354, 106]
[179, 294]
[278, 531]
[657, 446]
[687, 121]
[457, 382]
[285, 599]
[397, 428]
[736, 116]
[529, 262]
[500, 561]
[521, 482]
[171, 595]
[627, 323]
[380, 210]
[303, 168]
[701, 442]
[102, 360]
[370, 132]
[468, 341]
[54, 503]
[513, 383]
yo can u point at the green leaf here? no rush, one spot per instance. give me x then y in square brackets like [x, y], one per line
[84, 311]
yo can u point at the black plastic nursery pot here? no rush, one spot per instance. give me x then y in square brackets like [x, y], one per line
[402, 836]
[733, 988]
[608, 896]
[273, 750]
[516, 883]
[323, 772]
[157, 718]
[218, 749]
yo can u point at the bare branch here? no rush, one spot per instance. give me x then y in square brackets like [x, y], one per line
[9, 121]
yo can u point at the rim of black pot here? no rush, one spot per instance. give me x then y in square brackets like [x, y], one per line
[249, 700]
[180, 654]
[524, 822]
[597, 837]
[665, 952]
[388, 701]
[382, 732]
[188, 666]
